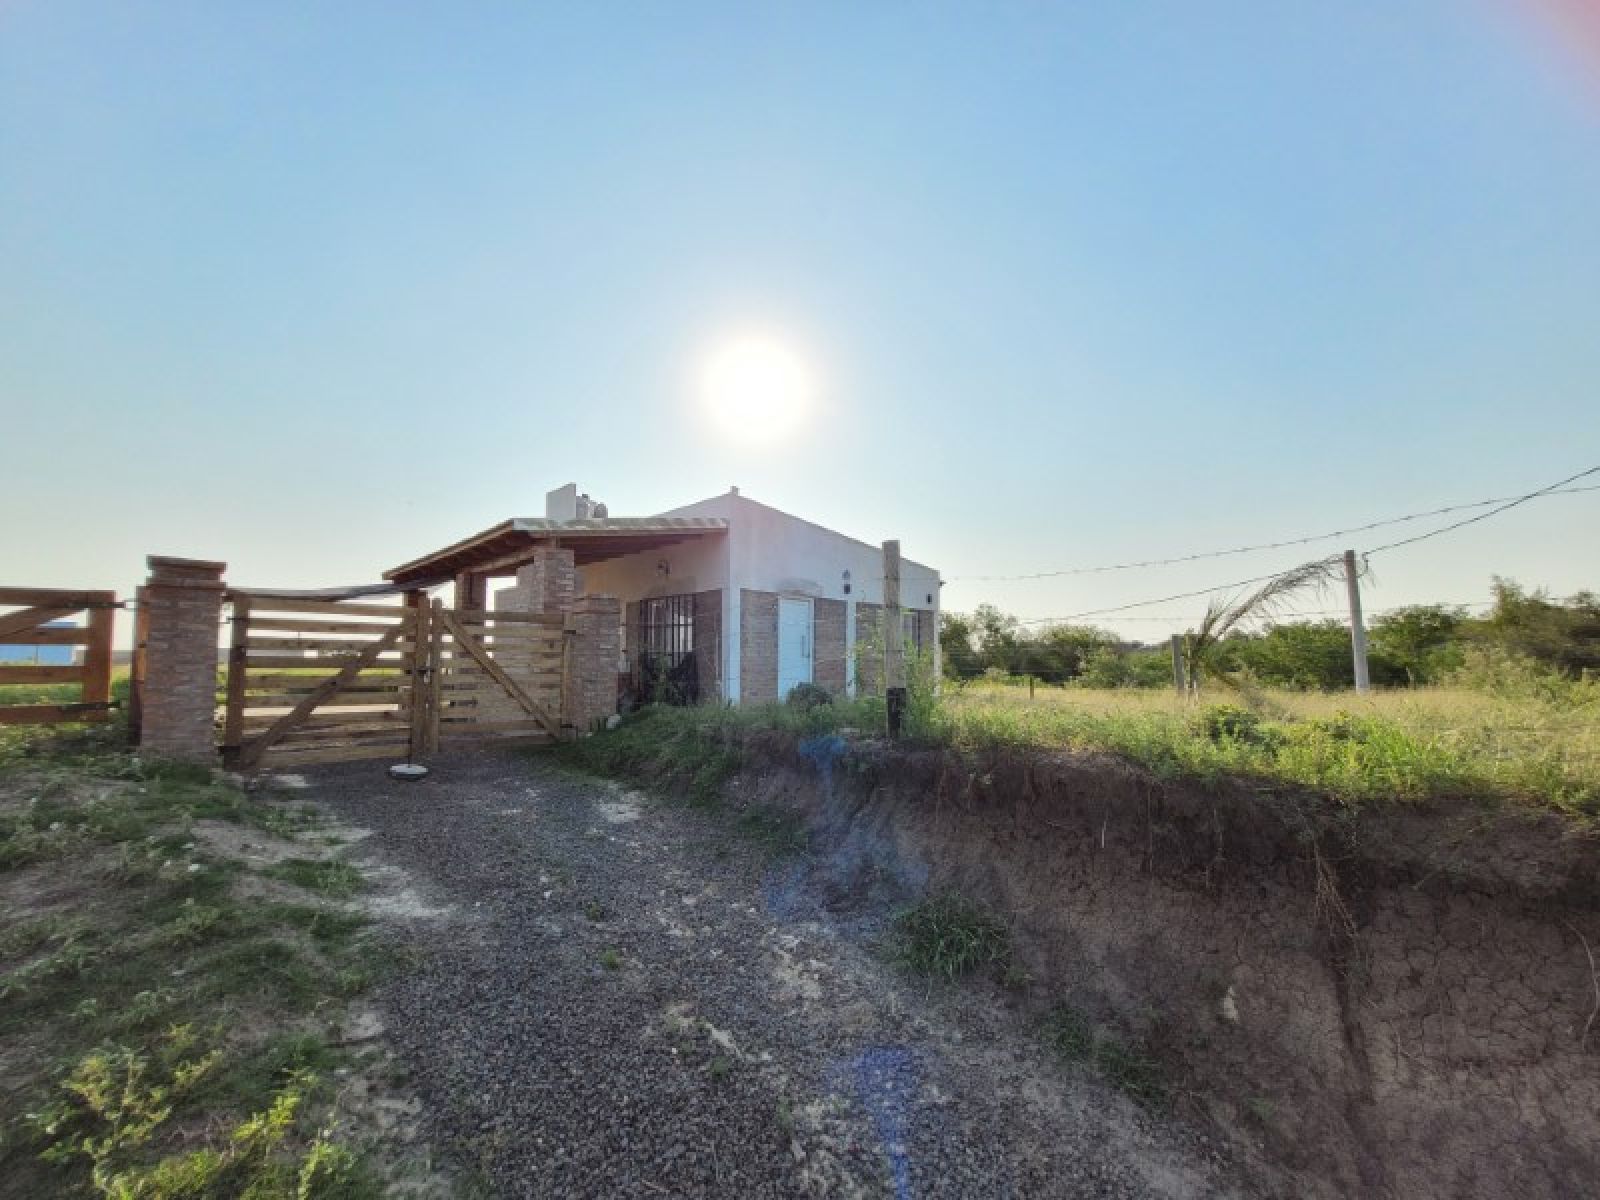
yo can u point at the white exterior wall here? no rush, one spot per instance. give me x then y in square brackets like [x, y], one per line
[771, 551]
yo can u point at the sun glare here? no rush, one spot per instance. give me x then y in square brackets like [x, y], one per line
[756, 389]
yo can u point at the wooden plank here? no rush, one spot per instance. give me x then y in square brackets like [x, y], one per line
[30, 618]
[41, 674]
[497, 741]
[391, 717]
[288, 662]
[368, 681]
[325, 607]
[356, 734]
[51, 714]
[76, 635]
[318, 642]
[396, 696]
[280, 757]
[252, 752]
[97, 658]
[476, 616]
[70, 599]
[456, 726]
[311, 625]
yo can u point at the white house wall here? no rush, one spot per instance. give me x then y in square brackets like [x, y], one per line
[772, 551]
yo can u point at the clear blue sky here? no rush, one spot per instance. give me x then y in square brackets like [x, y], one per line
[316, 288]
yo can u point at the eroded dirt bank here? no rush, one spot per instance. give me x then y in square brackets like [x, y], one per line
[1393, 1003]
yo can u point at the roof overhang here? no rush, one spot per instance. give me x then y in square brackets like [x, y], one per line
[505, 547]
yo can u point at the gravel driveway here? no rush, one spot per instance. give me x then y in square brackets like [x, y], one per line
[616, 997]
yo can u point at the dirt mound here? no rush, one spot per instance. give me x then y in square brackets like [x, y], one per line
[1391, 1002]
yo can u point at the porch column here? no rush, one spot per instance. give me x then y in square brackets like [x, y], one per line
[180, 614]
[549, 582]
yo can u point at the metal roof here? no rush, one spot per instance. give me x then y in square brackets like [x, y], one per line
[506, 546]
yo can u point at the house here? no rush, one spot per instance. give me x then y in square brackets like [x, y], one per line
[724, 599]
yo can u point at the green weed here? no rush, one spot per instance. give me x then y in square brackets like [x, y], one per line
[947, 936]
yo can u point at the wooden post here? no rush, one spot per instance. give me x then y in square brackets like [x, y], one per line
[1177, 662]
[233, 718]
[1358, 630]
[421, 660]
[568, 707]
[97, 654]
[141, 635]
[430, 744]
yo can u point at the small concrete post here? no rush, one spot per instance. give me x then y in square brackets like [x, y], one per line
[1358, 628]
[1177, 662]
[894, 673]
[180, 613]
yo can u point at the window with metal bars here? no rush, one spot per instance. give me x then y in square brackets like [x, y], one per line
[666, 672]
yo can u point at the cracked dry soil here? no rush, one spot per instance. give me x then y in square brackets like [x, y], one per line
[604, 995]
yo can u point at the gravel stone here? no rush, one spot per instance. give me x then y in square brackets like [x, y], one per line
[604, 995]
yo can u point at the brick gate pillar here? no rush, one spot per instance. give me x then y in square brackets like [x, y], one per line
[180, 608]
[597, 646]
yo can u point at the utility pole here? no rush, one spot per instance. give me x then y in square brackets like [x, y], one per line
[1358, 631]
[1177, 662]
[894, 675]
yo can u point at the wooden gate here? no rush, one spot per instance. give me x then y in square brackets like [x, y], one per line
[496, 676]
[46, 617]
[326, 681]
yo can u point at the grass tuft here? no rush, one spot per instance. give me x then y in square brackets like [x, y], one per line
[947, 936]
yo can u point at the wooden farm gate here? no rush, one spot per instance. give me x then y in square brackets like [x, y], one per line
[325, 681]
[42, 617]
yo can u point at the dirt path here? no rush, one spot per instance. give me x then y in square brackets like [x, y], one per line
[613, 997]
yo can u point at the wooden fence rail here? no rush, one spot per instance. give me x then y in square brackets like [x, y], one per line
[31, 622]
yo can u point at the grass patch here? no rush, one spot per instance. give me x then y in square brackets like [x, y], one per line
[327, 876]
[947, 936]
[1538, 746]
[165, 1037]
[1127, 1066]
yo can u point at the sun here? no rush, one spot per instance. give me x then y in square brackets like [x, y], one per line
[756, 388]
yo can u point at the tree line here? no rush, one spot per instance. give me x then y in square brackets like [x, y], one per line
[1419, 644]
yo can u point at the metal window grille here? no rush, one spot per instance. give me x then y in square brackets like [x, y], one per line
[667, 672]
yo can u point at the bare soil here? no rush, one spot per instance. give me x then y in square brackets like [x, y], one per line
[1396, 1002]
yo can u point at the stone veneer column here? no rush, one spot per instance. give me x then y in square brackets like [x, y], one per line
[548, 583]
[180, 612]
[597, 643]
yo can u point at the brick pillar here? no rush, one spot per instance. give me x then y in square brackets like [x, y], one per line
[548, 583]
[597, 645]
[181, 608]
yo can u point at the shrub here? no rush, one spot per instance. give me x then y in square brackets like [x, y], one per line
[1229, 722]
[806, 696]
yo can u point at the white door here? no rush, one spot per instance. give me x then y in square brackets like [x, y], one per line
[794, 644]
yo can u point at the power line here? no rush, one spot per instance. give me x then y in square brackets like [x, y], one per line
[1300, 541]
[1308, 612]
[1544, 491]
[1222, 587]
